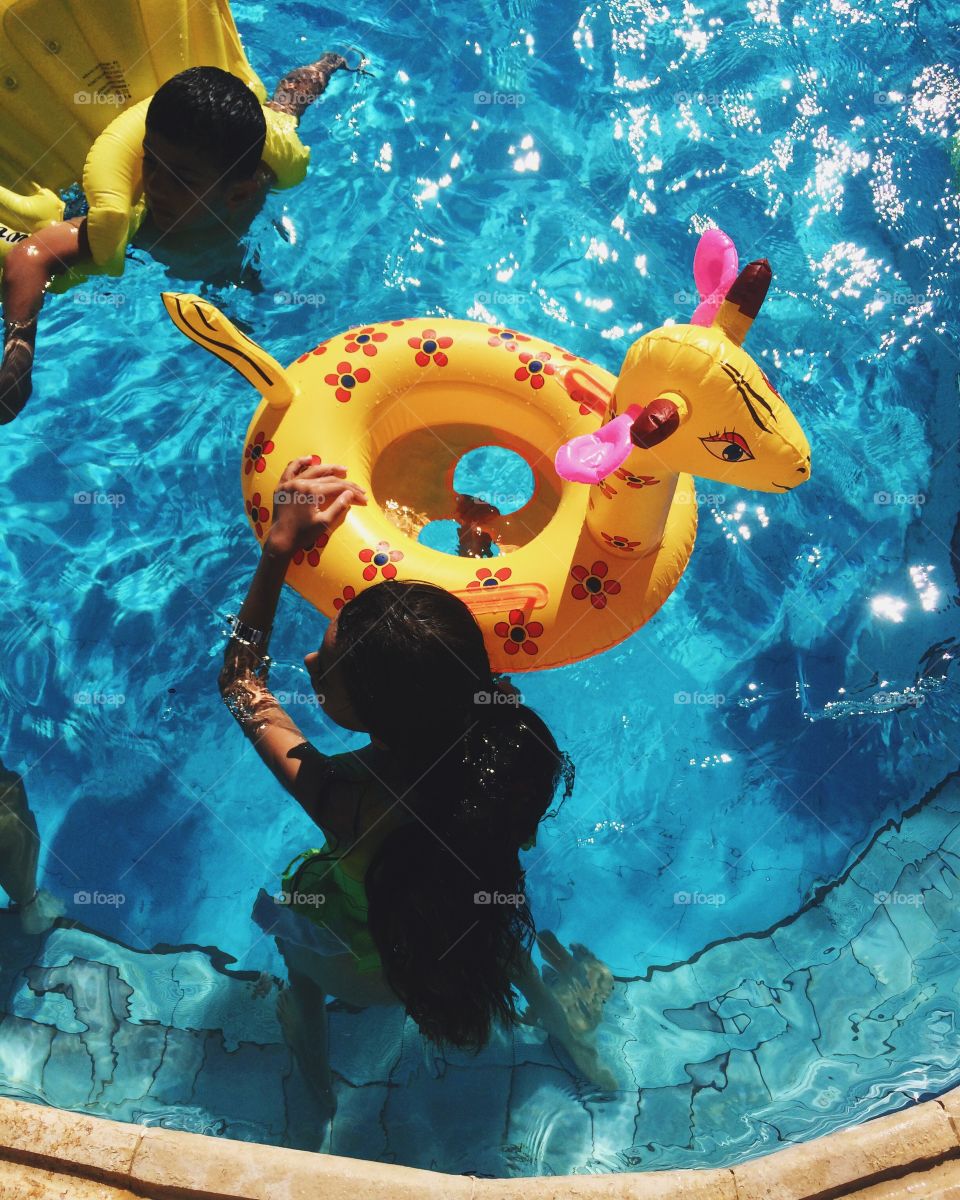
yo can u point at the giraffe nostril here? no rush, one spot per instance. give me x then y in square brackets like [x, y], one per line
[802, 470]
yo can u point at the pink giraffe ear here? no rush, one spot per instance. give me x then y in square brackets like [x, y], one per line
[593, 456]
[715, 265]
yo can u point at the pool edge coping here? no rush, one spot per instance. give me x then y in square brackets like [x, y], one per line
[94, 1153]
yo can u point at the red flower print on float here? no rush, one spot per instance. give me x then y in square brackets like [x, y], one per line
[619, 542]
[518, 633]
[430, 348]
[606, 489]
[380, 561]
[505, 338]
[535, 368]
[488, 579]
[593, 583]
[312, 556]
[365, 340]
[348, 594]
[635, 481]
[346, 380]
[321, 349]
[256, 453]
[257, 513]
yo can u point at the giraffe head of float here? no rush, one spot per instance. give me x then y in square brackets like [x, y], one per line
[689, 398]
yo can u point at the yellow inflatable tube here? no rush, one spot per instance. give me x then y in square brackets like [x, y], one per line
[399, 403]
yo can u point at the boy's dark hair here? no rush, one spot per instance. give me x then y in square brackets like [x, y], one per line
[210, 110]
[447, 909]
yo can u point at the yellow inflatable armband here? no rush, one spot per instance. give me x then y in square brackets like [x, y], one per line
[22, 215]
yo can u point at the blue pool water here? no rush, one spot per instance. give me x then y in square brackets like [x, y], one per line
[763, 840]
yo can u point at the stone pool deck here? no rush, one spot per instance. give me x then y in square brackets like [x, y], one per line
[47, 1153]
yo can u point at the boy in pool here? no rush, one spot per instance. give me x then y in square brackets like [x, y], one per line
[202, 176]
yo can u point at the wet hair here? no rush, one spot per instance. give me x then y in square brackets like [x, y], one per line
[211, 111]
[447, 908]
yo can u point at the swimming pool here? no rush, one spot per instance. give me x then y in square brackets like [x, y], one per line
[762, 840]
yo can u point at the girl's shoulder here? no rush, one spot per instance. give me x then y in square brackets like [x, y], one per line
[372, 776]
[367, 764]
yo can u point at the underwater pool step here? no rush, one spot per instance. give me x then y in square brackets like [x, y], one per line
[46, 1153]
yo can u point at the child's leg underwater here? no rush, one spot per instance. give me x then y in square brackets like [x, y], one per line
[19, 855]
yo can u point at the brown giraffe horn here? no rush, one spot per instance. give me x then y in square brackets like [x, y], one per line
[742, 303]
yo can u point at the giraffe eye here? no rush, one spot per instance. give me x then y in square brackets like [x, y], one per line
[728, 446]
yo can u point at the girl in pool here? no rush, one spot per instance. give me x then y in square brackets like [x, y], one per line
[417, 894]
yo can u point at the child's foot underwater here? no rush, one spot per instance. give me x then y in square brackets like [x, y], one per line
[301, 1011]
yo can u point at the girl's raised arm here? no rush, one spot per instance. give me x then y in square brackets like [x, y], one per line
[311, 499]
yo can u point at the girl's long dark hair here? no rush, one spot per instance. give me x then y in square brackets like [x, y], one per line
[447, 908]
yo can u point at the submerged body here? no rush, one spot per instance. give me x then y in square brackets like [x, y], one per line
[19, 857]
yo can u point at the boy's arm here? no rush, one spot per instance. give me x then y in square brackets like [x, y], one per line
[298, 89]
[27, 272]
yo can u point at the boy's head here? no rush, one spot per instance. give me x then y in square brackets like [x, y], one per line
[204, 141]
